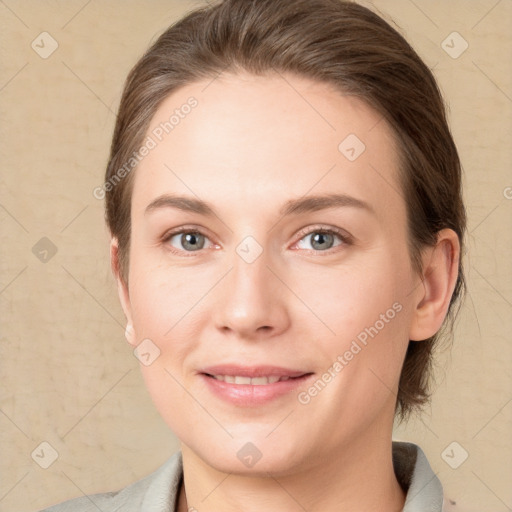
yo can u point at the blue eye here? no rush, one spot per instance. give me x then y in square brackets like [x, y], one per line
[190, 241]
[322, 240]
[318, 240]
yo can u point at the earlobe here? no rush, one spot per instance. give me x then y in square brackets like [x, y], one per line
[439, 277]
[129, 334]
[122, 290]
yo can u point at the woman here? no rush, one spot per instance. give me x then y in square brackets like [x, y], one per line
[284, 199]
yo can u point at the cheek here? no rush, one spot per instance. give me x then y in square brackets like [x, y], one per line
[367, 313]
[165, 303]
[348, 300]
[164, 298]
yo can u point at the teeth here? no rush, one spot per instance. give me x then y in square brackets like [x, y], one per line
[254, 381]
[242, 380]
[257, 381]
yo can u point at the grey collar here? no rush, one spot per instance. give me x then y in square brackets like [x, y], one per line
[423, 488]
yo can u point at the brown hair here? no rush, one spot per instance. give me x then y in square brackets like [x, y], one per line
[331, 41]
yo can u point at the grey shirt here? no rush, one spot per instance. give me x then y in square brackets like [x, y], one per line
[158, 492]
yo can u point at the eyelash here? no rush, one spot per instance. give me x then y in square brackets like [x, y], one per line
[344, 237]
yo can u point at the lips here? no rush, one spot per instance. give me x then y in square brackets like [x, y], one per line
[252, 386]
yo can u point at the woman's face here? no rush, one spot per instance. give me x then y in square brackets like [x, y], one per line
[293, 265]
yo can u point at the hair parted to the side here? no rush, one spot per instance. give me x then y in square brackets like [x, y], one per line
[331, 41]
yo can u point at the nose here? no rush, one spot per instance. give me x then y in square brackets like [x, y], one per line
[251, 303]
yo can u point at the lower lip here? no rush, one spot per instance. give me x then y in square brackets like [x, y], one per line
[247, 395]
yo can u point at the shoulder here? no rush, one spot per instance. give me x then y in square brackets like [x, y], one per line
[156, 492]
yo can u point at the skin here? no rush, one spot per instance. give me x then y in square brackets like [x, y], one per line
[250, 145]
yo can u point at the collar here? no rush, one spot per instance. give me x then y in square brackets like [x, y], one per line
[413, 472]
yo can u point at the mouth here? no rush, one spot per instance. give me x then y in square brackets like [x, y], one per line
[252, 386]
[252, 381]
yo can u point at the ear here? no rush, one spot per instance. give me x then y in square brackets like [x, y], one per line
[122, 290]
[438, 279]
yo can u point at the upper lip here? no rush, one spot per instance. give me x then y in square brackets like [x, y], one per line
[252, 371]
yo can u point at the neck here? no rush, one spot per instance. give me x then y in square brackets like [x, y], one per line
[358, 478]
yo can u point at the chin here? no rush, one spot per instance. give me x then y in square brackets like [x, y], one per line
[240, 456]
[275, 465]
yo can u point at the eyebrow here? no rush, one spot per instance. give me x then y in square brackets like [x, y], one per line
[291, 207]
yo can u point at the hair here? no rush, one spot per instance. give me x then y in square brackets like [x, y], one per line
[334, 42]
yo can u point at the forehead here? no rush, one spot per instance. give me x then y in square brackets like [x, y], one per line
[257, 137]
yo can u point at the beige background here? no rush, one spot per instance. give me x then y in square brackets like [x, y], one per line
[68, 376]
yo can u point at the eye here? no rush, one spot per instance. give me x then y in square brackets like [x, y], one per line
[186, 240]
[318, 239]
[322, 239]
